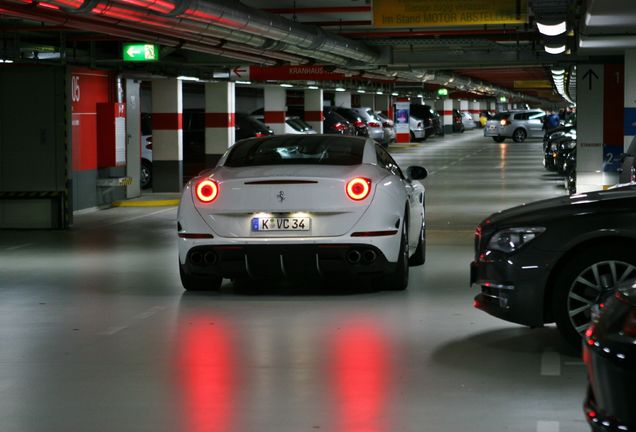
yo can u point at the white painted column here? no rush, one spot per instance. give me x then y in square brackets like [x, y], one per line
[343, 99]
[492, 106]
[275, 108]
[167, 135]
[589, 151]
[447, 115]
[475, 109]
[313, 109]
[220, 120]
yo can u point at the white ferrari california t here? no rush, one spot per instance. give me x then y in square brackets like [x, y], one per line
[302, 206]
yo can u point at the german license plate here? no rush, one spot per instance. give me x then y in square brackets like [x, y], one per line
[281, 223]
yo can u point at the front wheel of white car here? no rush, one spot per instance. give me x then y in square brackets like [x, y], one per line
[195, 283]
[399, 279]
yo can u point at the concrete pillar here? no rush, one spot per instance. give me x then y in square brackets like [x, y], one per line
[492, 106]
[629, 132]
[275, 108]
[474, 110]
[133, 138]
[167, 135]
[367, 100]
[383, 103]
[600, 130]
[463, 105]
[220, 120]
[343, 99]
[447, 115]
[313, 109]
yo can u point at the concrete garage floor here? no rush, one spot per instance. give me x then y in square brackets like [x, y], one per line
[96, 333]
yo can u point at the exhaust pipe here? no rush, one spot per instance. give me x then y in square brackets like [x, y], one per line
[369, 256]
[353, 256]
[196, 258]
[210, 258]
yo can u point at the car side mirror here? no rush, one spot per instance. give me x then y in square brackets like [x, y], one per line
[416, 173]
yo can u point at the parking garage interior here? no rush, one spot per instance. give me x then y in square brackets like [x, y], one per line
[109, 108]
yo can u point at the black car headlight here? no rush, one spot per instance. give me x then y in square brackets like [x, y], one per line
[512, 239]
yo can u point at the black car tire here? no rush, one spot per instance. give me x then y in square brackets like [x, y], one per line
[498, 139]
[568, 285]
[412, 136]
[519, 135]
[399, 280]
[145, 175]
[195, 283]
[419, 256]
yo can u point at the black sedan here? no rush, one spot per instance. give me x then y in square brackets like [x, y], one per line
[610, 357]
[554, 260]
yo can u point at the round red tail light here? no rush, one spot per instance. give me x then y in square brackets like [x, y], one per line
[207, 190]
[358, 188]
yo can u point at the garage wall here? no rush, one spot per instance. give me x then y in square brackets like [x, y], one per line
[90, 87]
[33, 126]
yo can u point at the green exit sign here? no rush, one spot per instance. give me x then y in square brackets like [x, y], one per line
[442, 92]
[503, 99]
[141, 52]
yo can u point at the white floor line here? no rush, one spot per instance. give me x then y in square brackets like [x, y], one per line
[550, 363]
[548, 426]
[12, 248]
[141, 216]
[141, 316]
[150, 312]
[113, 330]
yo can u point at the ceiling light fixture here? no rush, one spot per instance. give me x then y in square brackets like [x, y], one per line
[244, 82]
[340, 89]
[395, 94]
[361, 91]
[313, 87]
[552, 30]
[286, 85]
[187, 78]
[380, 92]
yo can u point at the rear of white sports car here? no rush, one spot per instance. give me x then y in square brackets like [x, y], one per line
[292, 208]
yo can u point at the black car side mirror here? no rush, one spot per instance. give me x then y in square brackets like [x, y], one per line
[416, 173]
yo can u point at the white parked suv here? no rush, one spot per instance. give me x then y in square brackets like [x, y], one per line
[517, 125]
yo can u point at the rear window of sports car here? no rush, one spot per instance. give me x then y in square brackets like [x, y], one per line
[297, 150]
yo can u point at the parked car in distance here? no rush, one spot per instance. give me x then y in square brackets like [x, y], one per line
[416, 128]
[517, 125]
[356, 120]
[467, 121]
[334, 123]
[299, 206]
[484, 116]
[248, 127]
[430, 118]
[609, 353]
[553, 260]
[389, 128]
[374, 124]
[462, 121]
[145, 180]
[294, 125]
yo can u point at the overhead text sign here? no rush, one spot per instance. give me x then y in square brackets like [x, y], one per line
[438, 13]
[291, 73]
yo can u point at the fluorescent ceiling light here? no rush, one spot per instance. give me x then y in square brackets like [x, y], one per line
[286, 85]
[244, 82]
[340, 89]
[420, 96]
[187, 78]
[6, 61]
[380, 92]
[394, 94]
[312, 87]
[558, 71]
[552, 30]
[361, 91]
[555, 50]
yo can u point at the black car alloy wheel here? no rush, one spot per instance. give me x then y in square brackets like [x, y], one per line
[586, 281]
[519, 135]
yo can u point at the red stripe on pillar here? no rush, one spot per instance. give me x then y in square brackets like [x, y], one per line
[167, 121]
[447, 112]
[313, 116]
[613, 103]
[220, 120]
[274, 117]
[403, 137]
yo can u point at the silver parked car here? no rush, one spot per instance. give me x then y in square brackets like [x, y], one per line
[388, 125]
[417, 129]
[374, 124]
[467, 121]
[517, 125]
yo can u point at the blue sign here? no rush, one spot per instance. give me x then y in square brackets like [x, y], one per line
[611, 157]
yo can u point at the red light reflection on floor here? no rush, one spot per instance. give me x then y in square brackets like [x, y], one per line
[206, 362]
[360, 370]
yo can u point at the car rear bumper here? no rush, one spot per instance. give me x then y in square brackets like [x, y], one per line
[287, 261]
